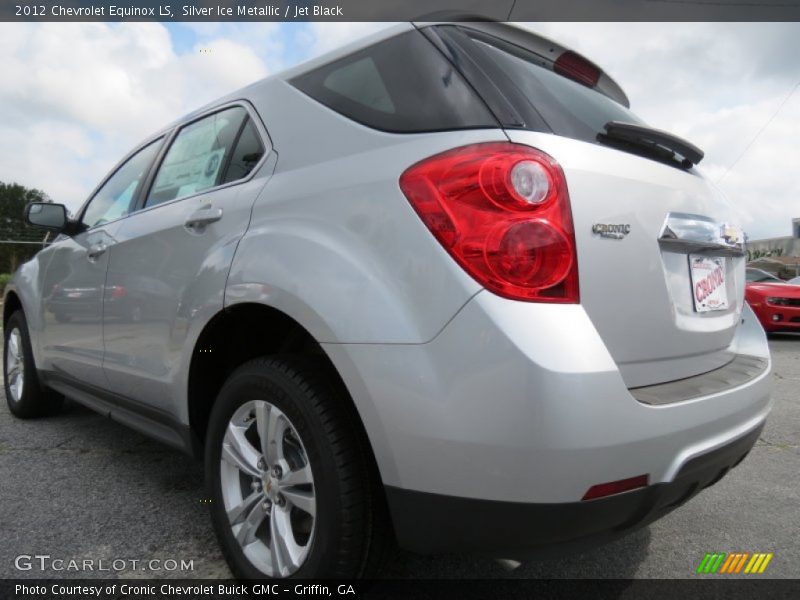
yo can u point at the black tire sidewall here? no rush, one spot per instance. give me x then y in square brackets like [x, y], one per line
[268, 382]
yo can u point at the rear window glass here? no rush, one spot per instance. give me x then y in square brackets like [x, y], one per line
[569, 108]
[402, 84]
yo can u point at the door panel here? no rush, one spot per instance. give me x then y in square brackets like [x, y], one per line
[168, 269]
[166, 279]
[74, 282]
[72, 333]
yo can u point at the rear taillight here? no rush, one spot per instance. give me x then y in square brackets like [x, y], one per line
[502, 212]
[577, 68]
[118, 291]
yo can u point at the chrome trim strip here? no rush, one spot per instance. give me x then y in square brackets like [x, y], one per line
[696, 234]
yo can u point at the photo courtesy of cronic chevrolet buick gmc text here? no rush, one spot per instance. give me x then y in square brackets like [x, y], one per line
[438, 288]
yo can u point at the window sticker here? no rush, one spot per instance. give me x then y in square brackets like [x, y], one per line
[195, 160]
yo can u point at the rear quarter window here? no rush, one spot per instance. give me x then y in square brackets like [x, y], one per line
[402, 84]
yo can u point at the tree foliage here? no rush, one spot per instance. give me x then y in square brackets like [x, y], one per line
[18, 242]
[756, 254]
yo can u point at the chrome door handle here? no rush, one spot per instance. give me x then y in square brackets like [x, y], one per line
[202, 217]
[96, 250]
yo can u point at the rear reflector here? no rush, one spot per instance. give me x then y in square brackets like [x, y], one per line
[577, 68]
[601, 490]
[502, 212]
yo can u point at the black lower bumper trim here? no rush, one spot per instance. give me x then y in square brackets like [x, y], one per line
[434, 523]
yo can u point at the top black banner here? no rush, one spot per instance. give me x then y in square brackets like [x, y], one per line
[400, 10]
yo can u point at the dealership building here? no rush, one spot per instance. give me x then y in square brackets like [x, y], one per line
[790, 245]
[782, 253]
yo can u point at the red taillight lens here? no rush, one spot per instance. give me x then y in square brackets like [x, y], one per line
[577, 68]
[502, 212]
[118, 291]
[616, 487]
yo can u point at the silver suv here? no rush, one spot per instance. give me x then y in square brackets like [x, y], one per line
[440, 286]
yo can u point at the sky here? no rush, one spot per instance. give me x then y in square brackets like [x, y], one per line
[76, 97]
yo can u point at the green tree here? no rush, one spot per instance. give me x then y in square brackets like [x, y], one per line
[18, 242]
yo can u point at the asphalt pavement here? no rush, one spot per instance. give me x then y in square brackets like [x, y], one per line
[81, 487]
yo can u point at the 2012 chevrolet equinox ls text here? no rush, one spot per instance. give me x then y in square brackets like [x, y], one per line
[439, 287]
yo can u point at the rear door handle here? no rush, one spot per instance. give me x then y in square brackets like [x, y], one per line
[202, 217]
[96, 250]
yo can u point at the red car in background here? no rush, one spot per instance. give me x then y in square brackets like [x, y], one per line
[775, 302]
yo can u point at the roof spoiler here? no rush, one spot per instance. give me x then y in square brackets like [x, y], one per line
[555, 56]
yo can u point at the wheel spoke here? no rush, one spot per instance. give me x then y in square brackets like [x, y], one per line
[276, 427]
[297, 477]
[304, 500]
[238, 451]
[285, 552]
[241, 510]
[262, 425]
[276, 547]
[13, 344]
[247, 532]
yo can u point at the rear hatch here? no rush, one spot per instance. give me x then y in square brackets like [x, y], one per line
[660, 256]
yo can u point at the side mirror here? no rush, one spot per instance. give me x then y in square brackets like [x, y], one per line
[46, 215]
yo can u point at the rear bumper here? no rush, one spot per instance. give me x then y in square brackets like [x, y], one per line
[519, 402]
[432, 523]
[520, 408]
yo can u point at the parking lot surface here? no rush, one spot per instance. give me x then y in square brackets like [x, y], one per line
[79, 486]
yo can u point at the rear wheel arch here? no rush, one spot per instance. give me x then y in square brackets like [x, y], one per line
[239, 334]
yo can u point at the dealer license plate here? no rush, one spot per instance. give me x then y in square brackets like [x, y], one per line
[709, 288]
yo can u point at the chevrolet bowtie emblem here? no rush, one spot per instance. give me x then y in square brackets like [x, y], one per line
[730, 234]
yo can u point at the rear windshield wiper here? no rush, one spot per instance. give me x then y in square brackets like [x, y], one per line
[652, 142]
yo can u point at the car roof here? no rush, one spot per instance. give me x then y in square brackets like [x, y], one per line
[513, 33]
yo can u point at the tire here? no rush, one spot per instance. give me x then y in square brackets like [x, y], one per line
[348, 534]
[25, 395]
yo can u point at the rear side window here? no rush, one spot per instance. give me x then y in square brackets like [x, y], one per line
[246, 154]
[569, 108]
[402, 84]
[196, 159]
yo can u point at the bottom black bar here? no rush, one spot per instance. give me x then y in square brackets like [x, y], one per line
[207, 589]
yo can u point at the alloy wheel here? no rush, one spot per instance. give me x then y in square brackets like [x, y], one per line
[15, 365]
[268, 488]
